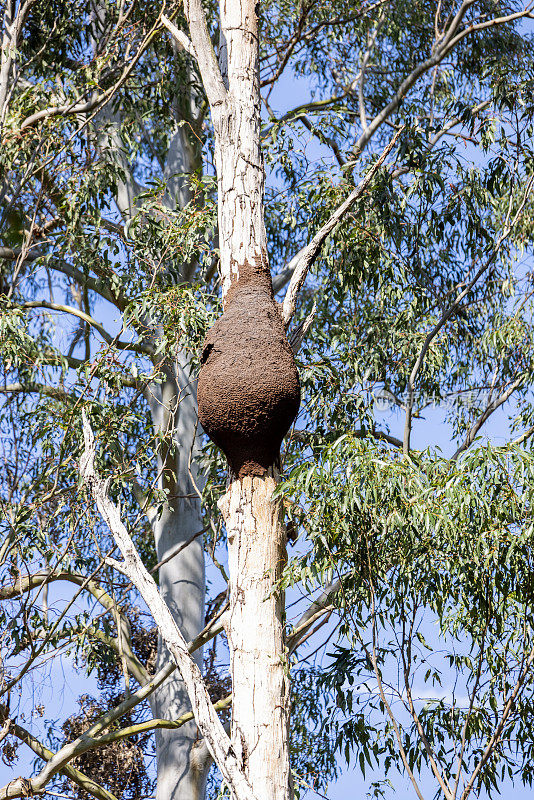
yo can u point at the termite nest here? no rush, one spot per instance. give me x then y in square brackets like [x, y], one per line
[248, 386]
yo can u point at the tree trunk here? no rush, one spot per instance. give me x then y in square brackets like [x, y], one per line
[182, 762]
[248, 396]
[180, 774]
[260, 680]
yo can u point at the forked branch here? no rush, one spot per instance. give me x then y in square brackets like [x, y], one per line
[90, 738]
[25, 787]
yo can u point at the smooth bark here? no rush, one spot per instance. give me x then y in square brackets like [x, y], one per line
[181, 579]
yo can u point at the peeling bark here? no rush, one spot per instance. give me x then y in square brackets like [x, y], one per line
[260, 678]
[248, 396]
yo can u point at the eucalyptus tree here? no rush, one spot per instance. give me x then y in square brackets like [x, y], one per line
[134, 140]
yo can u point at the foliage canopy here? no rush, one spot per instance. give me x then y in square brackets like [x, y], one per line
[423, 657]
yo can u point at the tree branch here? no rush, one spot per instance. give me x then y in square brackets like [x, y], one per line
[445, 788]
[10, 253]
[36, 388]
[28, 582]
[447, 314]
[204, 53]
[300, 264]
[149, 725]
[524, 436]
[55, 358]
[83, 745]
[283, 277]
[181, 39]
[211, 630]
[320, 607]
[299, 333]
[507, 710]
[323, 138]
[75, 108]
[24, 787]
[443, 46]
[205, 715]
[99, 285]
[371, 655]
[11, 31]
[111, 340]
[64, 755]
[365, 60]
[493, 406]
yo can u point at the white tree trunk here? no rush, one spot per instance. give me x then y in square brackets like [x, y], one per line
[260, 682]
[182, 583]
[182, 764]
[256, 537]
[238, 155]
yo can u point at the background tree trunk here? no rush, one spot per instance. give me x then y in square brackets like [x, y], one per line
[181, 579]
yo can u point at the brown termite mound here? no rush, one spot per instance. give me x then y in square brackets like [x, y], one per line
[248, 386]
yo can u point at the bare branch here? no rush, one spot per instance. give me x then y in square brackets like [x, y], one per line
[371, 655]
[299, 111]
[524, 436]
[463, 740]
[320, 607]
[175, 551]
[300, 264]
[10, 253]
[136, 347]
[28, 582]
[57, 392]
[25, 787]
[205, 54]
[445, 788]
[493, 406]
[87, 743]
[181, 39]
[101, 286]
[282, 278]
[68, 751]
[149, 725]
[299, 334]
[526, 13]
[205, 715]
[323, 138]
